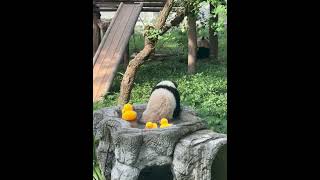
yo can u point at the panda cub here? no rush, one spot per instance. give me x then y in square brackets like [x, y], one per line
[203, 48]
[164, 102]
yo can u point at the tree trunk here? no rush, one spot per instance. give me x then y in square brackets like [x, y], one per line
[130, 74]
[132, 68]
[213, 39]
[192, 44]
[96, 35]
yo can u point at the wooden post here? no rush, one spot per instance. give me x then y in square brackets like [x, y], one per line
[192, 44]
[96, 34]
[213, 39]
[101, 30]
[126, 57]
[96, 30]
[103, 25]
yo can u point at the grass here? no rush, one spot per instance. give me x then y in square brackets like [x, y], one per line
[206, 90]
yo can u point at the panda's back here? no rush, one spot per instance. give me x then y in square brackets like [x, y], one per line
[162, 102]
[203, 43]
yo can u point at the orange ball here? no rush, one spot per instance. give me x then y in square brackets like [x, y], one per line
[129, 115]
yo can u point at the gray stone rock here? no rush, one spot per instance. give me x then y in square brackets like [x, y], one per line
[124, 172]
[124, 151]
[194, 155]
[105, 122]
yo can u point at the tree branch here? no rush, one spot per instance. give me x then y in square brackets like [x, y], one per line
[175, 22]
[164, 14]
[132, 68]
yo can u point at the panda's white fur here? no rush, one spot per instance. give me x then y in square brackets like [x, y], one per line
[162, 104]
[203, 42]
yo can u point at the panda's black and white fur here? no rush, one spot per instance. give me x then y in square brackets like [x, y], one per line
[203, 48]
[164, 102]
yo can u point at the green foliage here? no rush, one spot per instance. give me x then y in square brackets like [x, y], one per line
[175, 41]
[192, 7]
[97, 174]
[206, 91]
[136, 42]
[151, 33]
[220, 9]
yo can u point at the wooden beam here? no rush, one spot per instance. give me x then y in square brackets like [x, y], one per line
[144, 9]
[132, 1]
[192, 44]
[96, 35]
[126, 57]
[116, 4]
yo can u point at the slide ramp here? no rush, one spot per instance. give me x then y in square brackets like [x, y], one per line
[112, 48]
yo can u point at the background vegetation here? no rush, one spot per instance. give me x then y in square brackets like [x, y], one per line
[206, 90]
